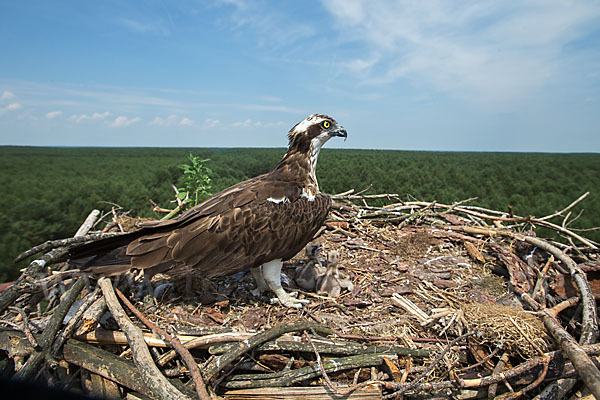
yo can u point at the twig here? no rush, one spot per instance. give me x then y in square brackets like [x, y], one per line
[203, 341]
[122, 371]
[174, 341]
[117, 337]
[55, 244]
[91, 316]
[331, 347]
[588, 372]
[151, 375]
[583, 196]
[223, 361]
[88, 223]
[26, 329]
[482, 361]
[302, 374]
[116, 220]
[589, 320]
[326, 377]
[37, 357]
[415, 383]
[499, 367]
[532, 385]
[72, 324]
[11, 294]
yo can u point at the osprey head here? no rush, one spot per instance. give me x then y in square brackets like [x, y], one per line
[313, 132]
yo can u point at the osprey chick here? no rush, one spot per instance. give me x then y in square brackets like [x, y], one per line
[258, 223]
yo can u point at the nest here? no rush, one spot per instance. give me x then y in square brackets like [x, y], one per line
[442, 296]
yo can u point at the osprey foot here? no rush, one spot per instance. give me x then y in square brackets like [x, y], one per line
[289, 300]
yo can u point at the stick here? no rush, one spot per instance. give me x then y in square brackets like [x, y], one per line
[174, 341]
[556, 214]
[26, 329]
[334, 347]
[581, 361]
[11, 294]
[88, 223]
[223, 361]
[55, 244]
[589, 331]
[330, 384]
[288, 378]
[103, 336]
[121, 371]
[150, 374]
[68, 331]
[204, 341]
[91, 316]
[37, 357]
[497, 369]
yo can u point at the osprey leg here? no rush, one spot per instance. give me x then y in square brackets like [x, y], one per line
[272, 276]
[261, 285]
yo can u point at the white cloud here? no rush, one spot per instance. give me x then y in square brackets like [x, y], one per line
[497, 50]
[211, 123]
[53, 114]
[122, 121]
[84, 117]
[10, 107]
[7, 95]
[156, 27]
[103, 115]
[275, 124]
[242, 124]
[186, 122]
[169, 121]
[249, 122]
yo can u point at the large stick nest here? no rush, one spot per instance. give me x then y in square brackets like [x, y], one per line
[442, 296]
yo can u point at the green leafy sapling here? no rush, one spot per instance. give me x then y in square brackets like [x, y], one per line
[195, 184]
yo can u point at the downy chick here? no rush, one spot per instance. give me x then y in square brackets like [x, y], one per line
[306, 275]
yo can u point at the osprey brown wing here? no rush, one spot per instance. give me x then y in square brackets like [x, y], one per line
[242, 227]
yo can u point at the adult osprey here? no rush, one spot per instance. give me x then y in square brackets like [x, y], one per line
[259, 222]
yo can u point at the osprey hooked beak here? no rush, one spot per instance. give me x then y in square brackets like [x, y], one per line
[341, 132]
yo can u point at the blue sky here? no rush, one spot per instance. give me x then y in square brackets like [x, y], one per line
[417, 75]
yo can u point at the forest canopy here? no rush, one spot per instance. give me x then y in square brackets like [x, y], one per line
[48, 191]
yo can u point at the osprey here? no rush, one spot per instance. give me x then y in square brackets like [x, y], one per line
[255, 224]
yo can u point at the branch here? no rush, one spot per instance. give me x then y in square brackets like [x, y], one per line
[72, 324]
[11, 294]
[88, 223]
[556, 214]
[174, 341]
[54, 244]
[121, 371]
[34, 362]
[150, 374]
[240, 348]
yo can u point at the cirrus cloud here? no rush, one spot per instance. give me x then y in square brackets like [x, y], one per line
[496, 50]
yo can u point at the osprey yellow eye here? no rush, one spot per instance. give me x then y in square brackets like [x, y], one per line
[326, 124]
